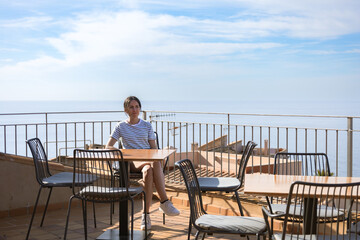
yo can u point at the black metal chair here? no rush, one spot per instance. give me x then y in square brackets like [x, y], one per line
[229, 184]
[303, 164]
[314, 204]
[45, 178]
[107, 189]
[210, 224]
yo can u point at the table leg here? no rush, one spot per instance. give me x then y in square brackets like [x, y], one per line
[113, 234]
[124, 218]
[125, 232]
[310, 216]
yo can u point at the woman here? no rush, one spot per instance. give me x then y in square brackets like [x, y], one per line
[139, 134]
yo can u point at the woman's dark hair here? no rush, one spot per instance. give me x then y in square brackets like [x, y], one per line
[129, 99]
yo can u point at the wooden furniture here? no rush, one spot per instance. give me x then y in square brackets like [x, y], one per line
[208, 224]
[328, 213]
[107, 189]
[151, 155]
[279, 186]
[304, 164]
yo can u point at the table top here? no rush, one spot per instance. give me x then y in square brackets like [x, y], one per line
[143, 154]
[279, 185]
[146, 154]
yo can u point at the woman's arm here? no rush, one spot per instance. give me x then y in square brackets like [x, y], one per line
[153, 144]
[110, 143]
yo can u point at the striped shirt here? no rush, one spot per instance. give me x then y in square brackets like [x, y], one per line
[134, 136]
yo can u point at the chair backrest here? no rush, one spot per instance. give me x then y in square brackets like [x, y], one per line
[40, 159]
[157, 140]
[249, 148]
[192, 186]
[305, 164]
[97, 164]
[321, 198]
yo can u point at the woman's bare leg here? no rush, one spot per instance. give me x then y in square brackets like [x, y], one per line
[159, 181]
[147, 172]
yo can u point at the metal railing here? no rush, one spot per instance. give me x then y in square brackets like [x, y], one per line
[194, 133]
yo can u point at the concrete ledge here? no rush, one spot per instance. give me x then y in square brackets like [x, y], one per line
[29, 161]
[19, 187]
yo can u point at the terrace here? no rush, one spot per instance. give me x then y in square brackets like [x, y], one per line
[213, 141]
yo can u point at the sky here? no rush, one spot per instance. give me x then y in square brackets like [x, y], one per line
[179, 50]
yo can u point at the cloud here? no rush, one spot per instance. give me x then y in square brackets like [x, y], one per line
[331, 52]
[353, 51]
[137, 33]
[321, 19]
[26, 22]
[155, 40]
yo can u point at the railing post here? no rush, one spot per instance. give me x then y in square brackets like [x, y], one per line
[144, 115]
[46, 130]
[349, 146]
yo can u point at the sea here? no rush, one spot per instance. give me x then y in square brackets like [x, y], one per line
[254, 113]
[302, 107]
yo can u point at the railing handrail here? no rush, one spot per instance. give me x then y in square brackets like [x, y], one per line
[43, 113]
[176, 122]
[255, 114]
[187, 112]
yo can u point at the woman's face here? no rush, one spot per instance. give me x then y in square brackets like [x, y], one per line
[133, 110]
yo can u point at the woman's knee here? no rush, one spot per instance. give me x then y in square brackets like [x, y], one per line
[147, 171]
[157, 165]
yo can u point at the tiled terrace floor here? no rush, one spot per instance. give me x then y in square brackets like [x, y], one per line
[175, 228]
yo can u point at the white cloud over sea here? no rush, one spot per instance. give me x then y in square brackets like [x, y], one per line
[189, 41]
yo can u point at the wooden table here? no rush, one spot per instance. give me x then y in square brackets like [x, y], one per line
[279, 186]
[151, 155]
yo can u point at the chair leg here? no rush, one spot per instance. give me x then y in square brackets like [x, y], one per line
[84, 208]
[163, 218]
[111, 211]
[33, 214]
[146, 233]
[68, 216]
[238, 201]
[240, 208]
[197, 235]
[204, 234]
[94, 214]
[119, 219]
[189, 231]
[132, 219]
[46, 206]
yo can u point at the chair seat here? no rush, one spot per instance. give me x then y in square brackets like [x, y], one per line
[219, 183]
[110, 193]
[65, 179]
[236, 224]
[278, 236]
[355, 228]
[325, 212]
